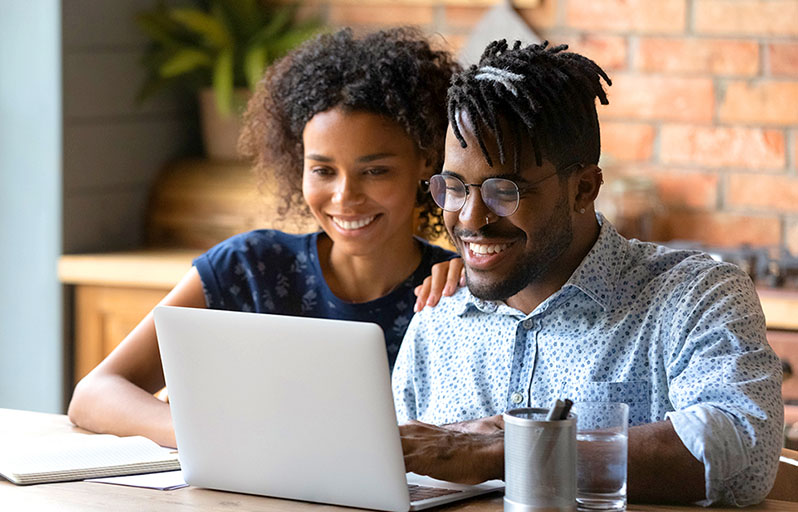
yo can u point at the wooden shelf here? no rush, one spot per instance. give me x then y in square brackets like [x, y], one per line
[159, 269]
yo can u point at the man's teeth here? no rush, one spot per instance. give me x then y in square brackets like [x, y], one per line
[487, 248]
[353, 224]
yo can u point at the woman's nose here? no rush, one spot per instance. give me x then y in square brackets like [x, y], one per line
[347, 190]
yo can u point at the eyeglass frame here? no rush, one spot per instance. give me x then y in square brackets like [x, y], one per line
[518, 189]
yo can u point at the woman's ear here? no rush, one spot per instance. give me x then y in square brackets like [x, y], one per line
[588, 182]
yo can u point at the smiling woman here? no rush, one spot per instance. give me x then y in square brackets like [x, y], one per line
[348, 127]
[360, 181]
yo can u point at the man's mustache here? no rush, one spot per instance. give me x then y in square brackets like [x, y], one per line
[487, 231]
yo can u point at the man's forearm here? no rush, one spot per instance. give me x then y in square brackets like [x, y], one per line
[660, 468]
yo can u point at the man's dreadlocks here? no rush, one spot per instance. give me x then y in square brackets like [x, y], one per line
[546, 90]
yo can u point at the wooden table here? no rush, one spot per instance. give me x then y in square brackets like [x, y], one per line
[85, 496]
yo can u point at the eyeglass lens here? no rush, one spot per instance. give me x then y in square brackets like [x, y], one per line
[498, 194]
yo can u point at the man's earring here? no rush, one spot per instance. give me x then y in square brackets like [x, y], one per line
[581, 210]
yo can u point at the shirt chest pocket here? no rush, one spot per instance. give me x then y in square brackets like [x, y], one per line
[635, 394]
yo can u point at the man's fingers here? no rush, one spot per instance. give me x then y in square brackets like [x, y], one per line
[488, 425]
[498, 420]
[415, 428]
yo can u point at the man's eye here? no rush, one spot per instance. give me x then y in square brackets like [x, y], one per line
[321, 171]
[505, 192]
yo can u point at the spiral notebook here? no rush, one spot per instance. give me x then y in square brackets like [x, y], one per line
[74, 456]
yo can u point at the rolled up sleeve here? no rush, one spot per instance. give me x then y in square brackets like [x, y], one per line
[725, 386]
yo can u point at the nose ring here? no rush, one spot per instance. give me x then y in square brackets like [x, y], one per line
[487, 220]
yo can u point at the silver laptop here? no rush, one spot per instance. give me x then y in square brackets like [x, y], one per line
[289, 407]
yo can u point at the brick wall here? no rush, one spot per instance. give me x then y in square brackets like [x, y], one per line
[704, 98]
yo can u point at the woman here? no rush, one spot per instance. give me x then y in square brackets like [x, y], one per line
[349, 127]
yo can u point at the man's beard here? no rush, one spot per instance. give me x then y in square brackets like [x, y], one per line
[551, 240]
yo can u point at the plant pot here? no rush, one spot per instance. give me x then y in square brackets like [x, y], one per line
[219, 131]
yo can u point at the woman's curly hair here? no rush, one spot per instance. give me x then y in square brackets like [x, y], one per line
[394, 73]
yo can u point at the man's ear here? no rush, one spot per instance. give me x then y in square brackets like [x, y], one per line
[588, 182]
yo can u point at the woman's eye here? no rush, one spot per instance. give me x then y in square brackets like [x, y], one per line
[376, 171]
[321, 171]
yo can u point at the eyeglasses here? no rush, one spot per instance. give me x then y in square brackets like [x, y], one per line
[500, 195]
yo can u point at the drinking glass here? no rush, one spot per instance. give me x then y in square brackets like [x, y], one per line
[602, 432]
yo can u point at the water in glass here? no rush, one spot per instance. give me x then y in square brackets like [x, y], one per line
[601, 470]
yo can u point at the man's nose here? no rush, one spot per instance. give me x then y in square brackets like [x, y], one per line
[474, 211]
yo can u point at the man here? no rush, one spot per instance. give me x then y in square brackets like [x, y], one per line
[559, 305]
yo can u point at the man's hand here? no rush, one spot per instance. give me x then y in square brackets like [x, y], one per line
[456, 456]
[489, 425]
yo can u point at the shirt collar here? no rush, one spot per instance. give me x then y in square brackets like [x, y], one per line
[468, 302]
[595, 276]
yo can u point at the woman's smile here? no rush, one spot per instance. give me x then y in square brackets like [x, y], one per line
[352, 224]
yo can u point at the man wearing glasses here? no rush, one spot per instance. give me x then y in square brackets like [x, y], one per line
[559, 305]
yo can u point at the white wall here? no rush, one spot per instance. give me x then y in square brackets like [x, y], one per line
[31, 353]
[78, 157]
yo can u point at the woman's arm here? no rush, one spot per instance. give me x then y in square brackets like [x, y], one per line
[116, 397]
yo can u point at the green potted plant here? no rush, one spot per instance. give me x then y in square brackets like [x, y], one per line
[218, 49]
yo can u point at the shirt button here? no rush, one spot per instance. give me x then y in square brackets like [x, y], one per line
[517, 397]
[529, 324]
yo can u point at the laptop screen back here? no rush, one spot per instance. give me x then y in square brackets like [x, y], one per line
[283, 406]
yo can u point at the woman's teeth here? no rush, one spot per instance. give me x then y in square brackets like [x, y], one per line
[353, 224]
[487, 249]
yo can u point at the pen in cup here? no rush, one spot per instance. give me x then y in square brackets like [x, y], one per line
[559, 410]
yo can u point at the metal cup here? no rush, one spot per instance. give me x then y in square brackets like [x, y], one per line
[539, 462]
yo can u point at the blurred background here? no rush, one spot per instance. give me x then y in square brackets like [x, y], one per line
[104, 198]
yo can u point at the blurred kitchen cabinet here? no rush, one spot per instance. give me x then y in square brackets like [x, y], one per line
[104, 316]
[112, 293]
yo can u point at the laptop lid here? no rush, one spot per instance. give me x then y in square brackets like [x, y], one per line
[283, 406]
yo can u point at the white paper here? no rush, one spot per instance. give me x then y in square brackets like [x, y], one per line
[164, 481]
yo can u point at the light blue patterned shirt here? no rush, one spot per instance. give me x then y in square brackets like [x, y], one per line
[674, 334]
